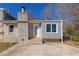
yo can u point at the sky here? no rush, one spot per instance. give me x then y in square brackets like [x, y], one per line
[36, 9]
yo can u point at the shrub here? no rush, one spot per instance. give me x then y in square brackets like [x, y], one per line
[75, 38]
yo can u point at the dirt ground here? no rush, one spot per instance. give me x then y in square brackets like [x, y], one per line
[71, 43]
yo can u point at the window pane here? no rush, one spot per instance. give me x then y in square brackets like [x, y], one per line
[48, 27]
[11, 28]
[53, 27]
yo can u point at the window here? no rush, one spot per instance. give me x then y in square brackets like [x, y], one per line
[51, 27]
[48, 27]
[11, 28]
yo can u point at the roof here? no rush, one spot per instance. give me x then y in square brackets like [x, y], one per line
[8, 21]
[39, 21]
[30, 21]
[3, 9]
[8, 15]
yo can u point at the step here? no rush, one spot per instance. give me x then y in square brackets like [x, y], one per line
[35, 41]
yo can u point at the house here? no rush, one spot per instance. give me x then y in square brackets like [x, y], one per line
[24, 29]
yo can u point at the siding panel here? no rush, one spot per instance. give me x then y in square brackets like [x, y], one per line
[46, 35]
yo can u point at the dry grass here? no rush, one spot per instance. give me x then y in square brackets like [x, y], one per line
[72, 43]
[5, 44]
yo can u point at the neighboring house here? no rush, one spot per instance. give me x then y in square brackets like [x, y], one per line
[24, 29]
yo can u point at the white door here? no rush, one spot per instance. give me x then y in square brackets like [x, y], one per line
[36, 30]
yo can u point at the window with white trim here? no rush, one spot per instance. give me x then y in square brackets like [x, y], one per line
[48, 27]
[51, 27]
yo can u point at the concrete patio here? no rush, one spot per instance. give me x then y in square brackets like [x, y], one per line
[47, 49]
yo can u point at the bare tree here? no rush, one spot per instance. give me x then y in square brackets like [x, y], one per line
[48, 12]
[65, 12]
[68, 11]
[31, 15]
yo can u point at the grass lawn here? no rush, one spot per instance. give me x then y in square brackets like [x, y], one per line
[5, 45]
[75, 38]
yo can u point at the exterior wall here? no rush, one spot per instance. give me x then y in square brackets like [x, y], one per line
[22, 31]
[1, 15]
[1, 24]
[1, 31]
[30, 31]
[47, 35]
[11, 36]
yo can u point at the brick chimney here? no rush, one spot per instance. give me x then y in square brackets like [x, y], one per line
[22, 16]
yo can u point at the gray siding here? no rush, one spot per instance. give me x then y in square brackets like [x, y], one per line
[46, 35]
